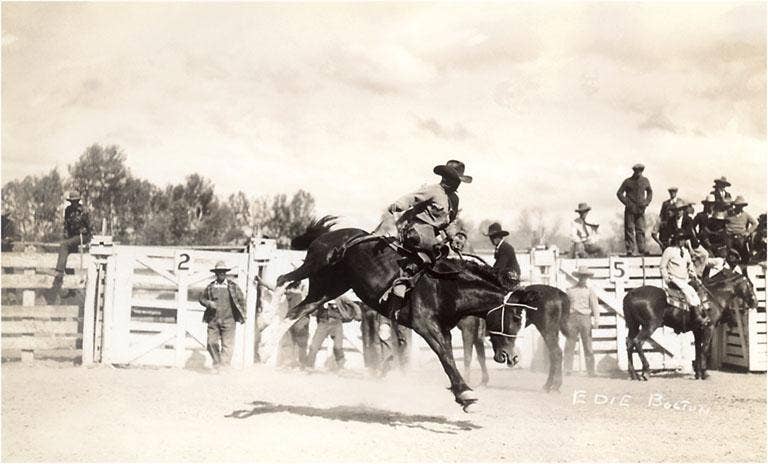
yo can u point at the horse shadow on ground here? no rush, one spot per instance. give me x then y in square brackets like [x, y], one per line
[361, 413]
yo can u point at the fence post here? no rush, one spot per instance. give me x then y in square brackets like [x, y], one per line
[621, 329]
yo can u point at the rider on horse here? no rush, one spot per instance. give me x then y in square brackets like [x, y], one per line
[677, 270]
[427, 213]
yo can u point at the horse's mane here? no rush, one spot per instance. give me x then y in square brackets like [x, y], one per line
[316, 228]
[483, 271]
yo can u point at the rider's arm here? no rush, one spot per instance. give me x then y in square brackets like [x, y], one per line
[663, 266]
[751, 224]
[407, 201]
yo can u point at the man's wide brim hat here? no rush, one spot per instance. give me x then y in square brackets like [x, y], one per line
[73, 195]
[220, 267]
[680, 203]
[495, 230]
[453, 170]
[583, 271]
[723, 180]
[582, 207]
[740, 201]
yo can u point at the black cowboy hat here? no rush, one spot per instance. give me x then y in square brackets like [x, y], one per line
[452, 170]
[722, 180]
[495, 230]
[582, 207]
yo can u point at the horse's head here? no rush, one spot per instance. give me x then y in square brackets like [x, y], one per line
[505, 322]
[733, 293]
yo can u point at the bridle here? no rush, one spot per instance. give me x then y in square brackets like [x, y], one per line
[517, 315]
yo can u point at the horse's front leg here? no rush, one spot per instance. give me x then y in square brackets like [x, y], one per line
[697, 356]
[555, 379]
[440, 342]
[703, 352]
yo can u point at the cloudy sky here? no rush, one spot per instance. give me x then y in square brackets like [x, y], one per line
[547, 104]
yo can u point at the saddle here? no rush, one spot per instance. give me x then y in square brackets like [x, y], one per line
[676, 298]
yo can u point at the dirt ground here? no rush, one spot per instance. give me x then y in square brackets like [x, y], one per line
[111, 414]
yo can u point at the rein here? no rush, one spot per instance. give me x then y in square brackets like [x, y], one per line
[503, 308]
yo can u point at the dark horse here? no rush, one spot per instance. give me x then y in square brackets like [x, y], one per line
[646, 309]
[435, 304]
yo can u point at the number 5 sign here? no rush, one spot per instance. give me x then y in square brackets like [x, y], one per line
[618, 270]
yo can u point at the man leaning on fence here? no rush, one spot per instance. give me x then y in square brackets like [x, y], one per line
[224, 304]
[583, 318]
[77, 227]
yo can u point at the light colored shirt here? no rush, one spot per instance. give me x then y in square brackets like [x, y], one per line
[676, 263]
[432, 205]
[580, 232]
[740, 224]
[583, 301]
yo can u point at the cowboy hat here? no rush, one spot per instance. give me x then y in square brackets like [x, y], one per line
[638, 167]
[452, 170]
[709, 200]
[723, 180]
[495, 230]
[583, 271]
[680, 203]
[220, 267]
[739, 201]
[672, 189]
[582, 207]
[73, 195]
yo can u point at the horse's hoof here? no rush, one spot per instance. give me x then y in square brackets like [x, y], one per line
[467, 396]
[466, 405]
[704, 376]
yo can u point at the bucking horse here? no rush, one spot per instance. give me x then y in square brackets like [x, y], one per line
[646, 309]
[349, 258]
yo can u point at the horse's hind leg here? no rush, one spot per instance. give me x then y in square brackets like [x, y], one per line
[480, 348]
[467, 341]
[644, 334]
[555, 379]
[631, 334]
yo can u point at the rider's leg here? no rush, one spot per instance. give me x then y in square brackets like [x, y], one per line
[693, 300]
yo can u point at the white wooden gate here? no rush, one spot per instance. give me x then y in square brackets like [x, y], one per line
[151, 311]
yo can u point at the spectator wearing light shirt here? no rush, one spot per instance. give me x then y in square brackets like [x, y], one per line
[583, 318]
[584, 235]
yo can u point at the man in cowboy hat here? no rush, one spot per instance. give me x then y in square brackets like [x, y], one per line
[679, 221]
[700, 219]
[77, 227]
[224, 306]
[584, 235]
[678, 270]
[427, 213]
[506, 259]
[635, 194]
[722, 197]
[583, 318]
[740, 225]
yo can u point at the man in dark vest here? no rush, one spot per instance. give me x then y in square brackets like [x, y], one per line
[77, 227]
[224, 304]
[635, 194]
[505, 257]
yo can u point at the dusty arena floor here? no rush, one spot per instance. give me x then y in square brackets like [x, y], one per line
[109, 414]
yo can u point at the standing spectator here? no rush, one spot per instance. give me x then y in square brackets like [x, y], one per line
[668, 207]
[722, 197]
[330, 323]
[700, 220]
[635, 194]
[77, 227]
[584, 235]
[757, 243]
[584, 317]
[294, 343]
[506, 259]
[740, 226]
[224, 306]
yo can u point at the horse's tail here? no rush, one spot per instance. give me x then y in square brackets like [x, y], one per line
[316, 228]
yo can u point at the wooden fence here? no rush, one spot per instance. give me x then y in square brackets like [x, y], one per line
[38, 321]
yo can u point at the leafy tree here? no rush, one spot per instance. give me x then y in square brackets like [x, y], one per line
[35, 205]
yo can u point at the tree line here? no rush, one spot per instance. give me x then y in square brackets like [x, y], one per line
[138, 212]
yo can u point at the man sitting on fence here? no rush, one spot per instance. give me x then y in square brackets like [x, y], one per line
[224, 306]
[677, 271]
[584, 235]
[77, 227]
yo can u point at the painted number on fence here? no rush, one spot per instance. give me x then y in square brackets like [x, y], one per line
[182, 261]
[618, 270]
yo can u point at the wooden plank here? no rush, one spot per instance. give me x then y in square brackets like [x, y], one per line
[154, 267]
[42, 260]
[89, 314]
[60, 355]
[40, 312]
[40, 342]
[39, 327]
[38, 281]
